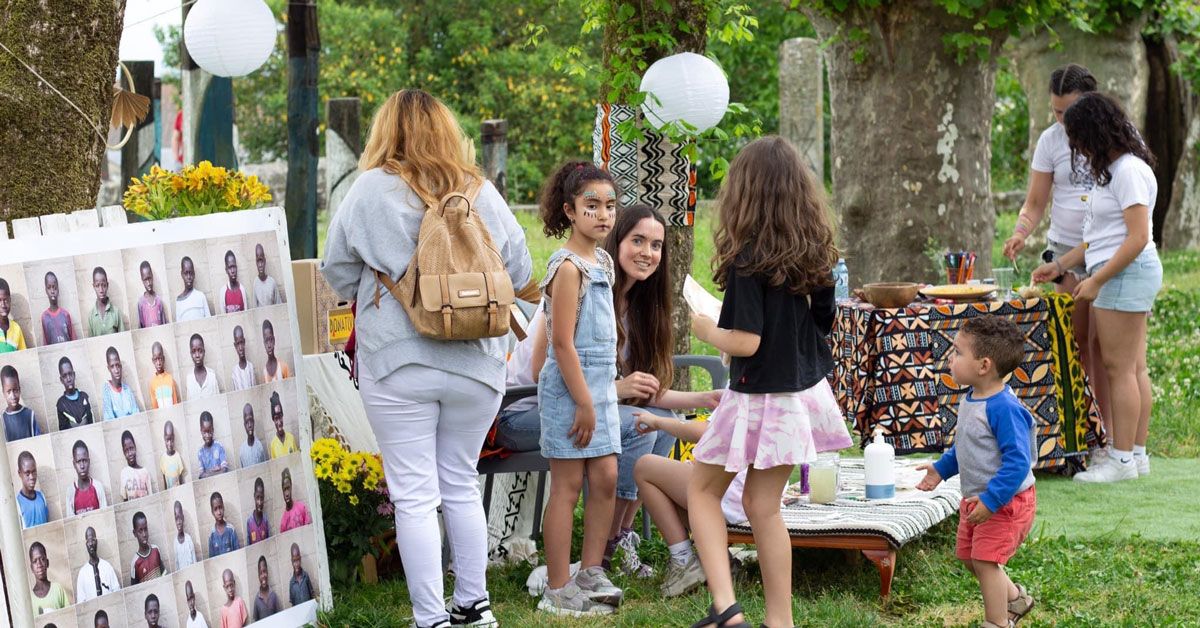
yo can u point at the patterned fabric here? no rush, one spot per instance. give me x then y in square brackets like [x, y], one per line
[772, 430]
[1083, 428]
[900, 520]
[891, 371]
[652, 171]
[610, 152]
[682, 450]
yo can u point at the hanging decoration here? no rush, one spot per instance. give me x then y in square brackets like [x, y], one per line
[230, 37]
[685, 87]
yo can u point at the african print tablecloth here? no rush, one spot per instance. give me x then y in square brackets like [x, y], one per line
[891, 372]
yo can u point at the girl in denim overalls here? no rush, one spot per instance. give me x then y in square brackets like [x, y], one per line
[577, 390]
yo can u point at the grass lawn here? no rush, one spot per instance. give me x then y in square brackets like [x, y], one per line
[1122, 555]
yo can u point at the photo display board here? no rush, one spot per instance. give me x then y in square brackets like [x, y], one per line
[156, 427]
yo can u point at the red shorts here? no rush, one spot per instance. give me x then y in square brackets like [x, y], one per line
[997, 539]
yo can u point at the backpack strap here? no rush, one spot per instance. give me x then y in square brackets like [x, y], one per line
[470, 194]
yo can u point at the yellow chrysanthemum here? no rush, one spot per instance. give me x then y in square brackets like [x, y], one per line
[354, 500]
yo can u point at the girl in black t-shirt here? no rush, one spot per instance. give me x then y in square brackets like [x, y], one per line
[774, 259]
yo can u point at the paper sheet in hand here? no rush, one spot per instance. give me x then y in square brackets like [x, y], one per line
[700, 300]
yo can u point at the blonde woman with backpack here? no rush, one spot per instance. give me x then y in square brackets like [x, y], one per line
[430, 401]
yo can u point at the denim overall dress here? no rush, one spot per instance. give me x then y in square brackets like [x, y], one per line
[596, 344]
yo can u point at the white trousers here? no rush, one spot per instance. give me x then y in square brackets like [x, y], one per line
[430, 425]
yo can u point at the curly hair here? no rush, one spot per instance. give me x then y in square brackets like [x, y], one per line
[773, 220]
[1098, 129]
[562, 188]
[997, 339]
[646, 334]
[1072, 78]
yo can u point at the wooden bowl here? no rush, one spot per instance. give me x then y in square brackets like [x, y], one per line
[891, 294]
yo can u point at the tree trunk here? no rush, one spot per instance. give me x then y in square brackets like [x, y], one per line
[50, 155]
[1116, 59]
[910, 140]
[1168, 109]
[693, 15]
[1182, 227]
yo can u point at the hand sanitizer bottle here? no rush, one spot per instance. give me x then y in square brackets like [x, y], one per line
[879, 459]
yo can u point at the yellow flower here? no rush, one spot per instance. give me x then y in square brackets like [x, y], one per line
[354, 500]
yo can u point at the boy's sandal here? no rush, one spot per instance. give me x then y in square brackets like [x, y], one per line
[1021, 606]
[717, 620]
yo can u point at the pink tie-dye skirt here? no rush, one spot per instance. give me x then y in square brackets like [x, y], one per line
[773, 429]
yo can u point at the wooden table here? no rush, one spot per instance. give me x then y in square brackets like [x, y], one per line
[876, 549]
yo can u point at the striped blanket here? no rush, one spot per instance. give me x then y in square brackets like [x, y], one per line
[898, 520]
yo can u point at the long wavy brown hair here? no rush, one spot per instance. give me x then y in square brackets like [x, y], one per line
[1099, 130]
[773, 221]
[644, 313]
[416, 136]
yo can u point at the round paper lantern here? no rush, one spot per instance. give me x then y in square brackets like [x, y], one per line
[230, 37]
[687, 87]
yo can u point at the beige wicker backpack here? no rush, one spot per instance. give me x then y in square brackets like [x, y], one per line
[456, 287]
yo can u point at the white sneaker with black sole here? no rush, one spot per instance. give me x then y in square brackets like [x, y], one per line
[477, 614]
[1109, 470]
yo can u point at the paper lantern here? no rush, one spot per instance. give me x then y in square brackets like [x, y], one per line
[230, 37]
[687, 87]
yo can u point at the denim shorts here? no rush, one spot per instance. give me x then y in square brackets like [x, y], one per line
[1134, 288]
[1059, 249]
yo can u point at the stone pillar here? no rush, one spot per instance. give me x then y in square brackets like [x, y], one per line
[343, 147]
[157, 112]
[207, 111]
[137, 155]
[801, 99]
[495, 153]
[300, 203]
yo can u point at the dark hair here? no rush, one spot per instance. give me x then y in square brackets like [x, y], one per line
[138, 516]
[214, 497]
[4, 286]
[25, 455]
[267, 325]
[150, 598]
[276, 401]
[127, 435]
[145, 265]
[77, 446]
[997, 339]
[37, 545]
[258, 483]
[644, 314]
[101, 613]
[237, 329]
[561, 189]
[63, 361]
[8, 372]
[1072, 78]
[773, 221]
[186, 260]
[49, 274]
[262, 562]
[99, 270]
[206, 417]
[286, 475]
[108, 355]
[229, 254]
[194, 338]
[1098, 129]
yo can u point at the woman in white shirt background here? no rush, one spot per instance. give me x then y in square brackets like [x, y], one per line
[1124, 272]
[1063, 182]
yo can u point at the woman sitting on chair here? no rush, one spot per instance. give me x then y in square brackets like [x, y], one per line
[642, 296]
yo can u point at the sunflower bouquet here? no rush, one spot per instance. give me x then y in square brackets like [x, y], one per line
[197, 189]
[354, 501]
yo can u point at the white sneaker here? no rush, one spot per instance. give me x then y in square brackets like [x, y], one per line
[1143, 464]
[478, 614]
[683, 578]
[596, 585]
[1107, 471]
[631, 563]
[1100, 454]
[572, 601]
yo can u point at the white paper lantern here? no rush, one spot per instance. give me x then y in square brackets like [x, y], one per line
[687, 87]
[230, 37]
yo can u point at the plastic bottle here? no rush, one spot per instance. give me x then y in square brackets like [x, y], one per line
[879, 459]
[841, 280]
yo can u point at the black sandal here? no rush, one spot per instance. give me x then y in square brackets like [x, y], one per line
[718, 620]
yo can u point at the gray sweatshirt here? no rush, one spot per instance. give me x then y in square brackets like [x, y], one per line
[376, 228]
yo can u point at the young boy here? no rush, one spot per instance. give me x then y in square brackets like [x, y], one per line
[243, 371]
[300, 588]
[151, 611]
[185, 549]
[195, 619]
[164, 392]
[235, 292]
[170, 465]
[266, 289]
[74, 407]
[87, 493]
[266, 603]
[252, 451]
[97, 576]
[275, 368]
[10, 332]
[233, 613]
[104, 318]
[19, 421]
[57, 325]
[223, 538]
[135, 479]
[202, 382]
[212, 453]
[119, 400]
[31, 500]
[147, 564]
[47, 596]
[295, 513]
[993, 454]
[151, 311]
[283, 443]
[190, 305]
[257, 526]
